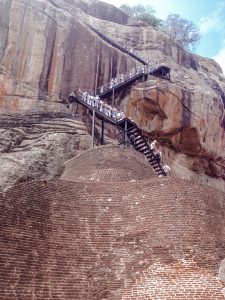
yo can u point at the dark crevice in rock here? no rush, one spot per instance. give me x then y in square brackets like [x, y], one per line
[186, 102]
[4, 25]
[47, 64]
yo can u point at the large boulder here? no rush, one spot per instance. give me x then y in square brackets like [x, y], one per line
[49, 48]
[39, 150]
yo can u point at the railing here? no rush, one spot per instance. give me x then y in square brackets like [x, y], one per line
[115, 116]
[112, 114]
[122, 48]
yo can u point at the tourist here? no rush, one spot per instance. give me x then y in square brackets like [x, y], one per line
[122, 77]
[120, 115]
[158, 155]
[166, 169]
[111, 83]
[153, 145]
[96, 101]
[84, 96]
[101, 106]
[156, 152]
[114, 112]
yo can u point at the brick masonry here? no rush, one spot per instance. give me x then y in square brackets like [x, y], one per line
[108, 164]
[158, 238]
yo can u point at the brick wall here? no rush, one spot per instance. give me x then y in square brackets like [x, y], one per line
[108, 164]
[151, 239]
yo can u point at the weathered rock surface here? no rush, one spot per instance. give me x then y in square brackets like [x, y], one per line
[222, 271]
[47, 50]
[177, 118]
[40, 150]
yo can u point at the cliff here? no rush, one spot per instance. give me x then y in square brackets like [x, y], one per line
[49, 48]
[106, 226]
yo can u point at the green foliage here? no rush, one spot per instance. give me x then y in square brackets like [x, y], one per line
[151, 20]
[143, 13]
[183, 31]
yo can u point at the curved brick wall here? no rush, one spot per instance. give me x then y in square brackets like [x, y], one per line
[152, 239]
[108, 164]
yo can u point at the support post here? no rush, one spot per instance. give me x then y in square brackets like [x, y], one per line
[125, 133]
[113, 97]
[93, 129]
[96, 78]
[102, 136]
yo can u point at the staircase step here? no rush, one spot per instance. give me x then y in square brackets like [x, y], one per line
[155, 165]
[157, 169]
[142, 144]
[136, 142]
[139, 142]
[144, 148]
[152, 160]
[137, 137]
[140, 148]
[149, 155]
[132, 131]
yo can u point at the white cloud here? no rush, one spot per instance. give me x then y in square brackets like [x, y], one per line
[215, 20]
[220, 58]
[207, 23]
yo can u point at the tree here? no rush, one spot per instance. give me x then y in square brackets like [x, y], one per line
[183, 31]
[144, 13]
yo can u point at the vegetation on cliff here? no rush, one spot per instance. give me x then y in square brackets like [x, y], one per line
[183, 31]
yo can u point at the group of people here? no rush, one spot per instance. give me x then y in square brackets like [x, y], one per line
[123, 77]
[158, 155]
[118, 115]
[132, 51]
[103, 107]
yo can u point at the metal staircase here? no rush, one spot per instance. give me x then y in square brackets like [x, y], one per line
[161, 71]
[140, 144]
[129, 133]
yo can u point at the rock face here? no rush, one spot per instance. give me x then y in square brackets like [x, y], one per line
[39, 150]
[177, 117]
[222, 271]
[48, 49]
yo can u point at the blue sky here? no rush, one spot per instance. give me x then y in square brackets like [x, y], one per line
[208, 15]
